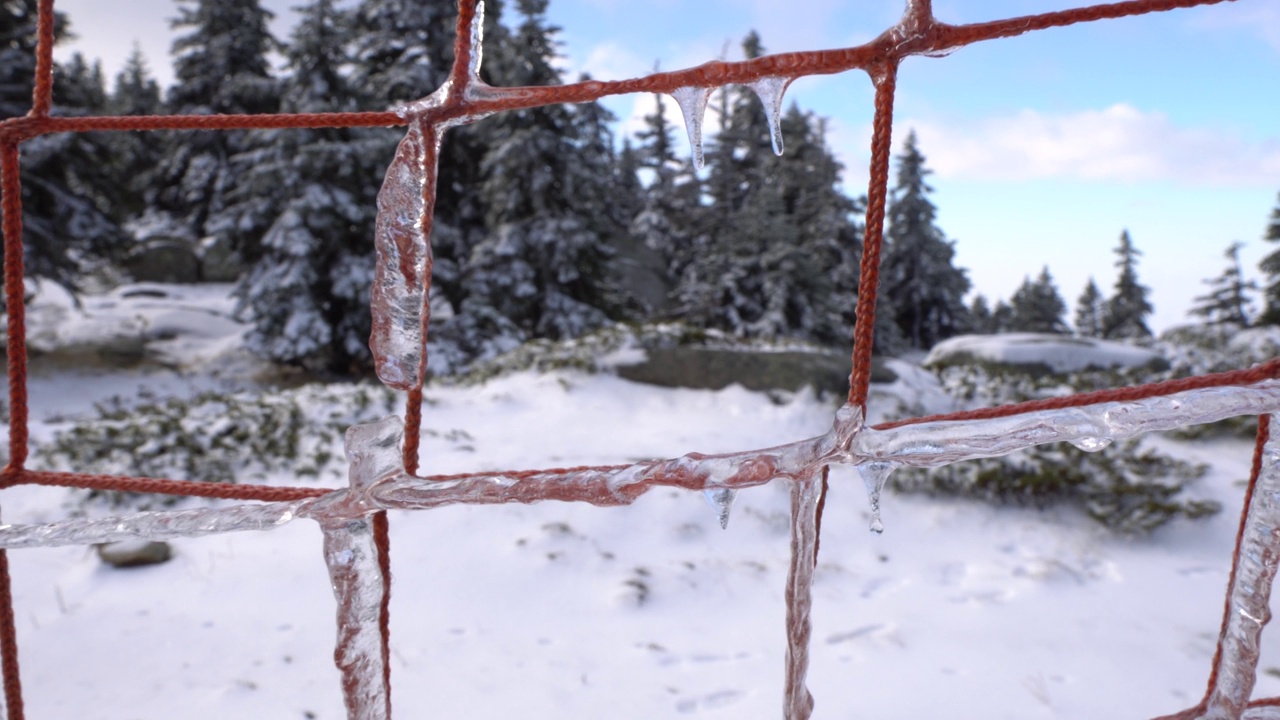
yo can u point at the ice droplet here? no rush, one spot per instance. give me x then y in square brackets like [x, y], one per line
[874, 475]
[693, 104]
[770, 91]
[1091, 444]
[721, 500]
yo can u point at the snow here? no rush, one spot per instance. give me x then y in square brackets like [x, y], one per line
[568, 610]
[1060, 353]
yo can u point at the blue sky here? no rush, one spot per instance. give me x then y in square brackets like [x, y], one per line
[1044, 147]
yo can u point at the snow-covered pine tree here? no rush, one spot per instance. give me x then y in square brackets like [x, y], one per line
[539, 272]
[135, 92]
[1228, 300]
[1090, 308]
[1126, 311]
[980, 320]
[402, 50]
[307, 297]
[778, 248]
[1037, 306]
[1002, 317]
[1270, 266]
[220, 67]
[917, 276]
[668, 218]
[67, 188]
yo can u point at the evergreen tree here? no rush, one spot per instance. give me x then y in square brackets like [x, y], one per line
[1127, 309]
[1037, 306]
[539, 271]
[135, 92]
[918, 277]
[221, 67]
[981, 321]
[668, 217]
[1002, 317]
[308, 296]
[67, 190]
[1090, 308]
[1270, 266]
[1228, 300]
[402, 50]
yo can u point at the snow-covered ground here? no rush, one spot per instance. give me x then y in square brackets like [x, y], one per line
[958, 610]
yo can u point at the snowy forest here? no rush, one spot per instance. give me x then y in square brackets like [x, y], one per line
[547, 226]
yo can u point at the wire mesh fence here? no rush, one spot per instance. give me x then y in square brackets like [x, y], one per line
[383, 456]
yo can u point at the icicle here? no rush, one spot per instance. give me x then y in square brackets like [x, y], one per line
[403, 271]
[721, 500]
[874, 475]
[693, 104]
[805, 494]
[1091, 444]
[770, 91]
[357, 581]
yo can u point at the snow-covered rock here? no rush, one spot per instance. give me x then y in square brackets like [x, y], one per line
[1042, 353]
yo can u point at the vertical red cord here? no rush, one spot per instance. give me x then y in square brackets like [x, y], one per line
[16, 346]
[885, 78]
[42, 93]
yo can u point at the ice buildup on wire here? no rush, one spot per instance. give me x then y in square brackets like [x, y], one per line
[402, 239]
[356, 576]
[805, 496]
[1249, 596]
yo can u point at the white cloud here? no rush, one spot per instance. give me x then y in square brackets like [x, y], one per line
[1116, 143]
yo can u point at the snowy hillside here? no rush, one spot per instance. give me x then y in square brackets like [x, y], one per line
[958, 610]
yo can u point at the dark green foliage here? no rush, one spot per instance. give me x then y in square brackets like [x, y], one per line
[135, 92]
[1126, 312]
[215, 437]
[1125, 487]
[221, 67]
[313, 191]
[773, 251]
[67, 185]
[1037, 307]
[918, 279]
[1270, 266]
[1089, 311]
[1228, 300]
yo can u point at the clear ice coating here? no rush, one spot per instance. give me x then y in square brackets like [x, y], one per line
[477, 42]
[721, 500]
[805, 495]
[1249, 596]
[379, 481]
[163, 525]
[356, 576]
[874, 475]
[403, 271]
[770, 91]
[693, 105]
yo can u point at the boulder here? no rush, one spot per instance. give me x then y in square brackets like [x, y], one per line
[164, 260]
[135, 553]
[714, 368]
[219, 262]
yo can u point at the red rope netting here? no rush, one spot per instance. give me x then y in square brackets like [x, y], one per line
[919, 33]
